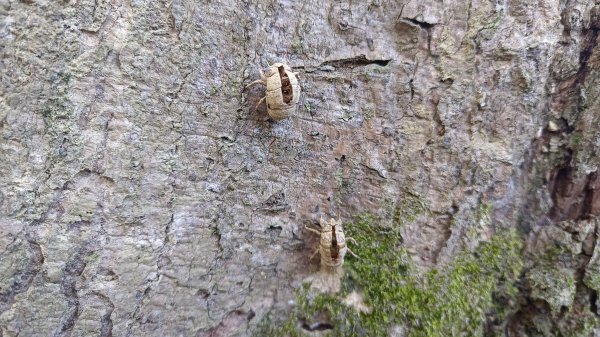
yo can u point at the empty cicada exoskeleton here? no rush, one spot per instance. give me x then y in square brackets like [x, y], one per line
[332, 245]
[283, 90]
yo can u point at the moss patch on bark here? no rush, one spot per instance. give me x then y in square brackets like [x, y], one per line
[449, 301]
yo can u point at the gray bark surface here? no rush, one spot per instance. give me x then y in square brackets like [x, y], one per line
[141, 194]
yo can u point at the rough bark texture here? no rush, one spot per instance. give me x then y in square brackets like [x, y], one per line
[142, 195]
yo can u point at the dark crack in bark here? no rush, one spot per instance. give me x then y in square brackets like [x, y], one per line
[71, 274]
[106, 323]
[575, 196]
[555, 173]
[347, 63]
[422, 24]
[23, 280]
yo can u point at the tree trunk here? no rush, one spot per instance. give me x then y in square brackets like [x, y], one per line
[143, 194]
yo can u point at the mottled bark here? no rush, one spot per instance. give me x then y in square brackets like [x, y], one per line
[142, 195]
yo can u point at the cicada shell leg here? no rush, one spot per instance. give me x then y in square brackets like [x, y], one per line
[314, 254]
[259, 102]
[312, 230]
[351, 252]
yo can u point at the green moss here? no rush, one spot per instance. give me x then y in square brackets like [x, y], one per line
[592, 274]
[94, 256]
[483, 220]
[580, 322]
[409, 209]
[484, 212]
[576, 138]
[451, 301]
[553, 285]
[547, 279]
[576, 324]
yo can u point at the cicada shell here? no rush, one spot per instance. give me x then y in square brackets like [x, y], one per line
[283, 91]
[332, 245]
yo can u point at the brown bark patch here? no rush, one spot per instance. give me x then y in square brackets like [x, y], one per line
[574, 197]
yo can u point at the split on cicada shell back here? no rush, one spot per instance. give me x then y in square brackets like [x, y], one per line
[334, 250]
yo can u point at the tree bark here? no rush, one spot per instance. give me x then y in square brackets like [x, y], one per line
[142, 194]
